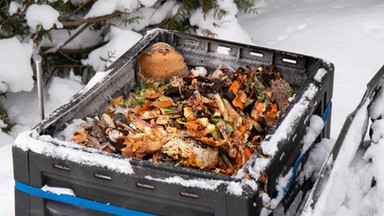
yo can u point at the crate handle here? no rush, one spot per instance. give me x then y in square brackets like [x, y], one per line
[58, 166]
[223, 50]
[191, 42]
[146, 186]
[290, 61]
[257, 54]
[102, 176]
[189, 194]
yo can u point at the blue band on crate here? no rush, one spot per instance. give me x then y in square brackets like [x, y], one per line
[326, 112]
[296, 166]
[73, 200]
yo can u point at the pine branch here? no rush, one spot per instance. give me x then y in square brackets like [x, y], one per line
[5, 118]
[245, 6]
[220, 13]
[75, 35]
[3, 15]
[78, 9]
[92, 19]
[74, 51]
[206, 5]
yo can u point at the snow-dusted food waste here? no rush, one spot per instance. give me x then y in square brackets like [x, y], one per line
[211, 122]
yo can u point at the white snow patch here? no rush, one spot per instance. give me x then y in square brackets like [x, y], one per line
[5, 139]
[3, 87]
[376, 108]
[377, 130]
[97, 78]
[69, 129]
[121, 40]
[234, 188]
[320, 74]
[7, 183]
[2, 124]
[228, 28]
[329, 202]
[61, 90]
[13, 8]
[87, 38]
[316, 124]
[374, 29]
[15, 68]
[316, 158]
[44, 15]
[372, 201]
[58, 190]
[151, 16]
[105, 7]
[260, 165]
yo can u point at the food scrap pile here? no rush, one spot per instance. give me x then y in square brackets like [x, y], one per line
[210, 121]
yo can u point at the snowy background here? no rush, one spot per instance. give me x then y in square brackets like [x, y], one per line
[348, 33]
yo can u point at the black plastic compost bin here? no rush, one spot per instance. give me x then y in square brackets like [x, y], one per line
[101, 190]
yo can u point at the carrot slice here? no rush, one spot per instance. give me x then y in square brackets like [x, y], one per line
[234, 87]
[248, 153]
[237, 103]
[242, 128]
[258, 108]
[118, 100]
[142, 109]
[78, 138]
[168, 102]
[208, 141]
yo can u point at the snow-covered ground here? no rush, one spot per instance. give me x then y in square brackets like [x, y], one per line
[348, 33]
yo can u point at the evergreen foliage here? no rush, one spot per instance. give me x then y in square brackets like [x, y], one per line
[245, 6]
[61, 61]
[4, 117]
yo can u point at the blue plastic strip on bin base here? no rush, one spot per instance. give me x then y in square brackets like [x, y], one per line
[302, 156]
[73, 200]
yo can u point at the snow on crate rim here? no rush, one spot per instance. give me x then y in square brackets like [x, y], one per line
[97, 78]
[233, 187]
[154, 31]
[284, 131]
[286, 127]
[320, 74]
[52, 147]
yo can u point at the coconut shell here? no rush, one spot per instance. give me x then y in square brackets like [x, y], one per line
[161, 62]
